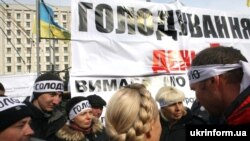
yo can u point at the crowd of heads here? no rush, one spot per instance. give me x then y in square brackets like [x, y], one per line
[132, 114]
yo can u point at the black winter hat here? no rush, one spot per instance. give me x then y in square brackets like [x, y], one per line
[96, 101]
[48, 76]
[11, 111]
[47, 82]
[76, 105]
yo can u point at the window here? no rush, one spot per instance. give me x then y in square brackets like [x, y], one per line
[9, 15]
[28, 50]
[27, 41]
[65, 49]
[18, 16]
[57, 67]
[19, 50]
[19, 68]
[18, 32]
[47, 58]
[8, 68]
[28, 68]
[28, 32]
[28, 59]
[66, 66]
[55, 16]
[56, 49]
[9, 32]
[66, 59]
[27, 16]
[47, 49]
[56, 41]
[9, 50]
[48, 67]
[18, 41]
[57, 59]
[8, 59]
[8, 40]
[27, 24]
[8, 24]
[19, 59]
[64, 17]
[18, 23]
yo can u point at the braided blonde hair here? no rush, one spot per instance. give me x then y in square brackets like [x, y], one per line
[129, 113]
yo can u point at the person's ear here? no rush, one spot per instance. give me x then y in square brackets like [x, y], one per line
[211, 81]
[216, 80]
[214, 83]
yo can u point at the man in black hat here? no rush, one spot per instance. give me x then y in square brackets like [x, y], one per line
[97, 104]
[14, 120]
[47, 119]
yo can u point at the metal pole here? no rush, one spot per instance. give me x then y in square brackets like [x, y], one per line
[38, 35]
[52, 55]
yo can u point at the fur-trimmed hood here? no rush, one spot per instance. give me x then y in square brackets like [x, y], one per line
[68, 134]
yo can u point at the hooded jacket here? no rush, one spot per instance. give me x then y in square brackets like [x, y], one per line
[68, 134]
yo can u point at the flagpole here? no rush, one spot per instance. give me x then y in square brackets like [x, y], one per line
[54, 62]
[38, 35]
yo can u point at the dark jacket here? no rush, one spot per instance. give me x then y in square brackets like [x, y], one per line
[68, 134]
[45, 125]
[178, 132]
[239, 111]
[201, 112]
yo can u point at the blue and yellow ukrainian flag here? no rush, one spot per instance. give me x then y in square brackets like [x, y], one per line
[48, 27]
[248, 3]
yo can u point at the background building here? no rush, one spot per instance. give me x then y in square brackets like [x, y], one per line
[18, 42]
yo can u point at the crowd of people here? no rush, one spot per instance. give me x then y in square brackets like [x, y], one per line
[220, 78]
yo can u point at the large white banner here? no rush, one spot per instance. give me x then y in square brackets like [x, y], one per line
[131, 40]
[18, 86]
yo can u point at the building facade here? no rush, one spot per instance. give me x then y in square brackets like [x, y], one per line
[18, 50]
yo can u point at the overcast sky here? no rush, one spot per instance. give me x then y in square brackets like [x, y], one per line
[224, 5]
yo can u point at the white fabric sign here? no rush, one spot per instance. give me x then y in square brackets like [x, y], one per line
[21, 87]
[116, 41]
[131, 38]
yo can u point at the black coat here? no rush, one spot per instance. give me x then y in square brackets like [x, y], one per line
[178, 131]
[45, 125]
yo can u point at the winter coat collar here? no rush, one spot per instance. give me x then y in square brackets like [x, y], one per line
[67, 133]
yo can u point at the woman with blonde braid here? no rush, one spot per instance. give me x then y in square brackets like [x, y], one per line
[132, 115]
